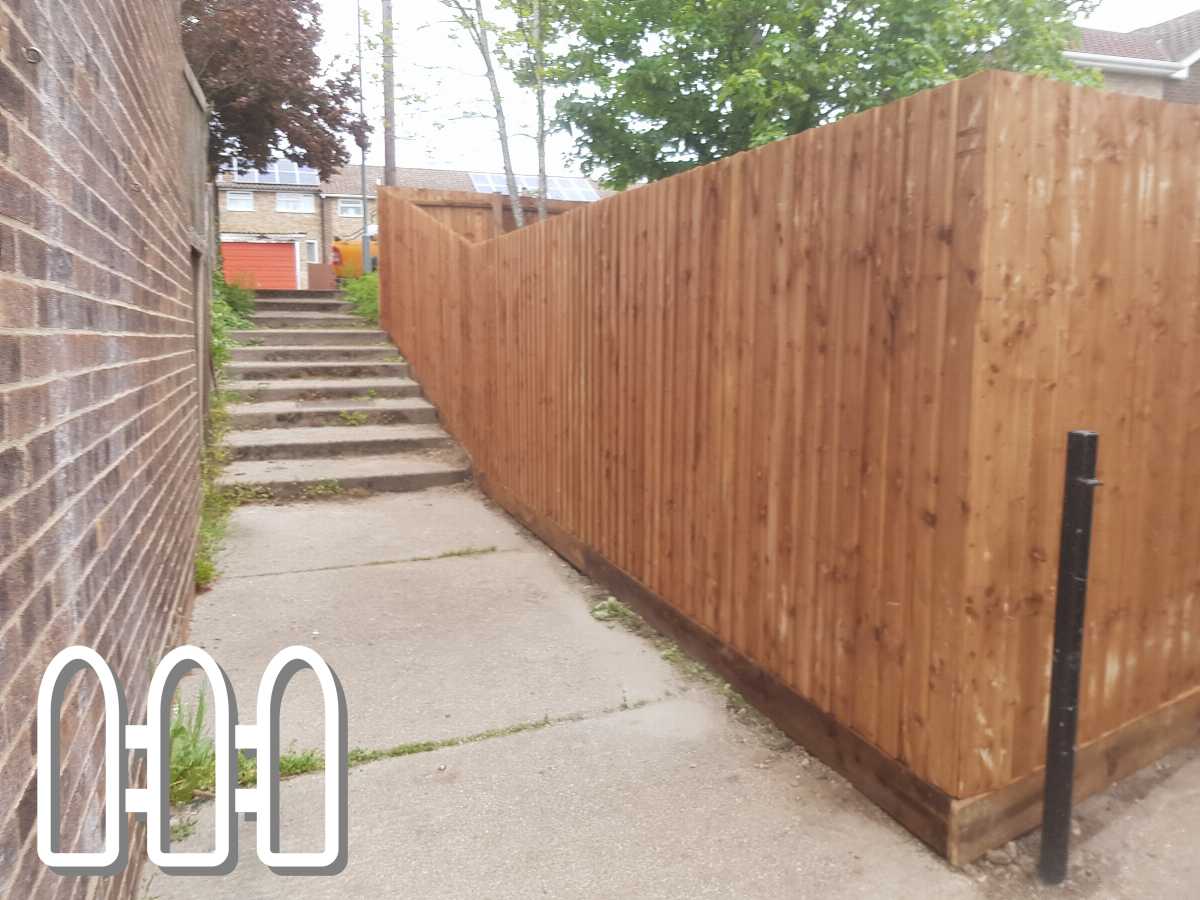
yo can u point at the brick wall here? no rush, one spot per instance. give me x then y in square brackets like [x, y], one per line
[103, 266]
[1187, 90]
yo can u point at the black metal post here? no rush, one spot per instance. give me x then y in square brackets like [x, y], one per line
[1074, 551]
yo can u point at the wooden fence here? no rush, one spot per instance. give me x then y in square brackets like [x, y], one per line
[806, 408]
[479, 217]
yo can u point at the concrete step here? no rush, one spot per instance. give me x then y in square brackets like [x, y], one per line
[334, 441]
[310, 369]
[297, 295]
[307, 320]
[293, 304]
[321, 389]
[352, 353]
[409, 410]
[312, 478]
[304, 337]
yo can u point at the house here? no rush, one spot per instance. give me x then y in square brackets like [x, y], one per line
[277, 221]
[1161, 61]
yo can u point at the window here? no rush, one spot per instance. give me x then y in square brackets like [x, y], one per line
[557, 188]
[239, 201]
[282, 171]
[294, 203]
[350, 207]
[314, 251]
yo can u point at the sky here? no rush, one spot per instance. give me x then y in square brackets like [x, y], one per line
[450, 126]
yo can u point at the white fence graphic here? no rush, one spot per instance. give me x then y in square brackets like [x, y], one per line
[229, 737]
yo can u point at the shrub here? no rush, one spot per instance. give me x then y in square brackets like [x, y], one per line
[363, 293]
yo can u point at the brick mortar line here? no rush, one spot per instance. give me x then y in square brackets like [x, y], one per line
[147, 125]
[17, 224]
[75, 292]
[164, 487]
[166, 240]
[62, 510]
[183, 449]
[95, 407]
[73, 694]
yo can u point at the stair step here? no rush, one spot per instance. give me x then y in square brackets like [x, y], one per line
[270, 294]
[306, 320]
[410, 410]
[294, 304]
[308, 369]
[334, 441]
[304, 337]
[321, 389]
[287, 479]
[314, 354]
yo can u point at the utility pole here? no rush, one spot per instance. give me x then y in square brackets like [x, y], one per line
[362, 110]
[389, 96]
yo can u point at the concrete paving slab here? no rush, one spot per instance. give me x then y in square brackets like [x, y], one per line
[676, 800]
[273, 540]
[430, 650]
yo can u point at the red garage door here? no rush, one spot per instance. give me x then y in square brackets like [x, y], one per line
[267, 267]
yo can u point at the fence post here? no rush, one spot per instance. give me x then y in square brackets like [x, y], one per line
[1074, 551]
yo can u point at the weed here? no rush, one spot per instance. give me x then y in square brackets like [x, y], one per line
[354, 418]
[327, 488]
[614, 612]
[372, 393]
[452, 554]
[230, 307]
[193, 759]
[182, 828]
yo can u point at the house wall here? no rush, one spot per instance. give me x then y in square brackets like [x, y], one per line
[1187, 91]
[341, 226]
[1137, 85]
[103, 267]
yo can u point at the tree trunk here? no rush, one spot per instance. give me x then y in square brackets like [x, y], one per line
[501, 124]
[539, 64]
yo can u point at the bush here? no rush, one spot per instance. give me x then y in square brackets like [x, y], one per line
[231, 307]
[363, 293]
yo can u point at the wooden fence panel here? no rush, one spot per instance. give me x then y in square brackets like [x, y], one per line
[808, 406]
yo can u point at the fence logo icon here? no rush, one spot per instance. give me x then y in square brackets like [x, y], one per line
[261, 739]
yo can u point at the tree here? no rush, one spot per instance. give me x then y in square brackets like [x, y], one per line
[523, 52]
[475, 23]
[270, 95]
[659, 86]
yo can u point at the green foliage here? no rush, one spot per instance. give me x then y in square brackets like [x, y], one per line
[363, 294]
[215, 504]
[193, 759]
[655, 87]
[230, 307]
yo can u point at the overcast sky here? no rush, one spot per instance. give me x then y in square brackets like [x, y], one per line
[449, 128]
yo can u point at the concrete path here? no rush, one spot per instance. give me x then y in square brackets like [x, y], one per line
[524, 743]
[595, 768]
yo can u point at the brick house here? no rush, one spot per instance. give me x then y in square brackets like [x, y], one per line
[274, 222]
[1161, 61]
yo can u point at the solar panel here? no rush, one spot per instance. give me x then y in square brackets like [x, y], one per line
[557, 187]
